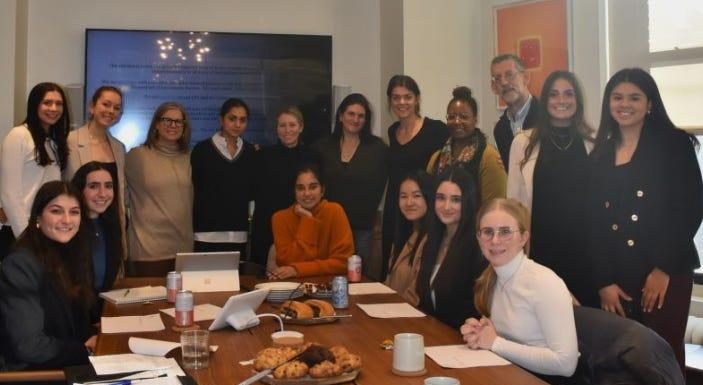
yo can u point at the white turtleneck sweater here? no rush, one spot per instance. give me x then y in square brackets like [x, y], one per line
[533, 315]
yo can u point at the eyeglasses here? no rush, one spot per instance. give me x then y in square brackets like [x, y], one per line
[504, 233]
[509, 76]
[172, 122]
[460, 117]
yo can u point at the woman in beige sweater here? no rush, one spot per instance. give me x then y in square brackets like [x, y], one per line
[160, 193]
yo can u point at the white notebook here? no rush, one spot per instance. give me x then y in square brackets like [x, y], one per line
[135, 294]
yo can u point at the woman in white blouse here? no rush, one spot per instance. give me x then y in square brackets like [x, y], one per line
[527, 312]
[33, 153]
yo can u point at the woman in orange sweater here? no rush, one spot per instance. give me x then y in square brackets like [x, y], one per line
[313, 236]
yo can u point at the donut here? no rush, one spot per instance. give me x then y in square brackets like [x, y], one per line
[293, 369]
[320, 308]
[297, 310]
[325, 369]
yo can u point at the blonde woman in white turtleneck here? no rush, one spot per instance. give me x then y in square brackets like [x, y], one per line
[527, 310]
[160, 193]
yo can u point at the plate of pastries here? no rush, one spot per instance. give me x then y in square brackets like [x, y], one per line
[310, 364]
[310, 312]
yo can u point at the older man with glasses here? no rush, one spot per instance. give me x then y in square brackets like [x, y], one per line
[509, 81]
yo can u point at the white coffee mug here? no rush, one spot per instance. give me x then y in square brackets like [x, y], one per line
[408, 352]
[441, 381]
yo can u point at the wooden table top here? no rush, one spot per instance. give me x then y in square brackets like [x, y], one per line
[361, 334]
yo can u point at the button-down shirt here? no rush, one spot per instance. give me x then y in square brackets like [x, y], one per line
[518, 120]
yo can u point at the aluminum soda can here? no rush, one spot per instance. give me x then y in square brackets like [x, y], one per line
[184, 308]
[354, 268]
[174, 283]
[340, 292]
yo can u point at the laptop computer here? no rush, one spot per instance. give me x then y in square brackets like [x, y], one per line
[208, 272]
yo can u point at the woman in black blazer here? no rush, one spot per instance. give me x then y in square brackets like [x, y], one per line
[451, 259]
[46, 286]
[646, 207]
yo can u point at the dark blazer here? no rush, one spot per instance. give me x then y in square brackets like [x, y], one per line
[503, 134]
[39, 326]
[647, 216]
[454, 283]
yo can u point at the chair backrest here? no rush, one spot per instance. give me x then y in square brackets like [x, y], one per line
[32, 376]
[619, 350]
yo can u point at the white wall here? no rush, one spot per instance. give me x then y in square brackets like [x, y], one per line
[7, 62]
[55, 39]
[454, 44]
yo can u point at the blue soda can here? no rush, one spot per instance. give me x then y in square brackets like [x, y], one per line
[340, 292]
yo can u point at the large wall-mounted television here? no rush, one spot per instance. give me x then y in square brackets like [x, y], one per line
[202, 69]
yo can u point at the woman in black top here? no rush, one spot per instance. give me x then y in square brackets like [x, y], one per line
[451, 260]
[413, 139]
[277, 165]
[223, 168]
[353, 163]
[46, 286]
[646, 207]
[549, 173]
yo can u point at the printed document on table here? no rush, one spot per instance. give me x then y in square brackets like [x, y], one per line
[125, 363]
[390, 310]
[694, 356]
[204, 312]
[460, 356]
[369, 288]
[132, 324]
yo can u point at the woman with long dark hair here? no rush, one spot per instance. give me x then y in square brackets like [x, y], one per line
[410, 235]
[646, 208]
[46, 286]
[353, 163]
[412, 141]
[33, 153]
[550, 173]
[160, 193]
[451, 260]
[96, 184]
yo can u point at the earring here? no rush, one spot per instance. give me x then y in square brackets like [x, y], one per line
[37, 222]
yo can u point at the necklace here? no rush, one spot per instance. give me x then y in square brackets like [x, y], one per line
[562, 148]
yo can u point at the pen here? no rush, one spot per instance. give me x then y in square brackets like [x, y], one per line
[125, 294]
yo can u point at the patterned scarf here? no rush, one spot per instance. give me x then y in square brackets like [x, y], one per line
[473, 151]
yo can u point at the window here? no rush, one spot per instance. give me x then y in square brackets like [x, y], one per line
[676, 63]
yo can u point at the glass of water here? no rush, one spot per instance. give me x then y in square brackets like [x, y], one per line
[195, 349]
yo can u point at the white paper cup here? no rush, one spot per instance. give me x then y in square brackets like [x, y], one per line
[408, 352]
[287, 338]
[441, 381]
[195, 349]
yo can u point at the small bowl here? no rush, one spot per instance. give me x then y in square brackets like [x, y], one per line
[441, 381]
[287, 338]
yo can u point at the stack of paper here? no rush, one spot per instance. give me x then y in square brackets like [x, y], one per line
[127, 363]
[460, 356]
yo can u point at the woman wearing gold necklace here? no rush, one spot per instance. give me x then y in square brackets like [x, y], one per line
[94, 143]
[160, 193]
[353, 164]
[549, 174]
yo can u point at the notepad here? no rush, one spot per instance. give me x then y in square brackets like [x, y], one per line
[135, 295]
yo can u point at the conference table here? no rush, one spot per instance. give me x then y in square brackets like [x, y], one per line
[359, 333]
